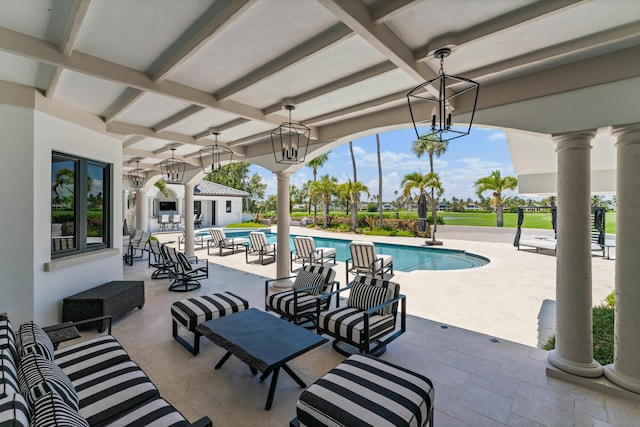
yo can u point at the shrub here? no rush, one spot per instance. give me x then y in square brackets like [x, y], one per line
[603, 326]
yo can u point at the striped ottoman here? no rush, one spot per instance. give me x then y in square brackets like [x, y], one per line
[364, 390]
[190, 312]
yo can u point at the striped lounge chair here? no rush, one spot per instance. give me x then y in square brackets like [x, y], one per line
[364, 260]
[298, 305]
[365, 391]
[368, 321]
[265, 251]
[307, 252]
[220, 240]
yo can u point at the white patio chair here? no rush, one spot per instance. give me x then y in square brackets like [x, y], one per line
[365, 260]
[220, 240]
[176, 222]
[164, 222]
[265, 251]
[307, 252]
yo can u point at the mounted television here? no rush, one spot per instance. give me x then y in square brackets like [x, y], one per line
[167, 206]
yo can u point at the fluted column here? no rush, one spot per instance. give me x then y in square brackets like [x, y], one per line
[188, 213]
[574, 331]
[625, 370]
[284, 252]
[142, 211]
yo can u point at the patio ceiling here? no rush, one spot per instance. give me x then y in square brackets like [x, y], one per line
[163, 73]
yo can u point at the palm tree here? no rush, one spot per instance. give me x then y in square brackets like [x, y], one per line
[350, 192]
[379, 181]
[325, 188]
[497, 185]
[315, 164]
[355, 170]
[417, 180]
[431, 145]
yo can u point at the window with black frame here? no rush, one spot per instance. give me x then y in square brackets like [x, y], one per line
[80, 204]
[228, 205]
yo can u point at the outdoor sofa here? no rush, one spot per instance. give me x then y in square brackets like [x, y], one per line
[90, 383]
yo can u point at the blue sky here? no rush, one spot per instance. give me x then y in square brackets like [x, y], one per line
[467, 159]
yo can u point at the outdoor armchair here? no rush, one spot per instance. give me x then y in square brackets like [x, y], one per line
[137, 246]
[220, 240]
[157, 260]
[368, 321]
[298, 304]
[197, 220]
[307, 252]
[365, 260]
[265, 251]
[183, 271]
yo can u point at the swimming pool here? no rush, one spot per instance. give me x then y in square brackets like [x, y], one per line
[405, 257]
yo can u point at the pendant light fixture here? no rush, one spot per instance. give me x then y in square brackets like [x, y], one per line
[290, 141]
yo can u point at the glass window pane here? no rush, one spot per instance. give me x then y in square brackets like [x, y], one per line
[63, 207]
[95, 204]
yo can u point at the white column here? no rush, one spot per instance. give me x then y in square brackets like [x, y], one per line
[625, 370]
[188, 213]
[142, 211]
[284, 252]
[574, 336]
[180, 203]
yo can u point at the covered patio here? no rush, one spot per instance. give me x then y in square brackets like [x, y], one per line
[127, 83]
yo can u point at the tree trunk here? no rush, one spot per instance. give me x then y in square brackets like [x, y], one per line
[354, 216]
[379, 180]
[356, 198]
[499, 215]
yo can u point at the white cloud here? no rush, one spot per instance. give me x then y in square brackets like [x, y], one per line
[497, 136]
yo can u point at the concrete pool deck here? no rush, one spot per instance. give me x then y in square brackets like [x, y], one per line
[512, 297]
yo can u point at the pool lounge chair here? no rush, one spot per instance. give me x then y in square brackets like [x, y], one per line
[220, 240]
[198, 239]
[265, 251]
[307, 252]
[365, 260]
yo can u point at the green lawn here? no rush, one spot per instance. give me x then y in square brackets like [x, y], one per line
[540, 220]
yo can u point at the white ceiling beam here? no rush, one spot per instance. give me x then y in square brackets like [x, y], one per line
[494, 26]
[221, 128]
[603, 38]
[166, 148]
[302, 51]
[69, 38]
[177, 118]
[390, 9]
[394, 97]
[161, 156]
[354, 78]
[124, 101]
[131, 141]
[221, 20]
[356, 16]
[40, 50]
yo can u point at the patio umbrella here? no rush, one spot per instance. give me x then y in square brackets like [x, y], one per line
[422, 212]
[519, 230]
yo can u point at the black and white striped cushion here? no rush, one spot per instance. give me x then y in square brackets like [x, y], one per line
[90, 356]
[14, 411]
[387, 284]
[38, 376]
[365, 297]
[7, 336]
[283, 302]
[31, 338]
[105, 394]
[348, 323]
[193, 311]
[8, 374]
[156, 413]
[51, 411]
[306, 279]
[364, 390]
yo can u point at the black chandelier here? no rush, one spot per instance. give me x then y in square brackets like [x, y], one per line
[290, 141]
[173, 169]
[137, 176]
[211, 156]
[439, 92]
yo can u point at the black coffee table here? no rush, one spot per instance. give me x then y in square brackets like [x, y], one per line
[262, 341]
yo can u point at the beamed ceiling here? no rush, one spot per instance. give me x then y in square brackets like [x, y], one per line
[162, 74]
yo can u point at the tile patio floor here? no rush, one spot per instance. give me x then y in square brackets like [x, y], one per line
[475, 333]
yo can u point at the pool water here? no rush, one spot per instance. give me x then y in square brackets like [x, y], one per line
[405, 258]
